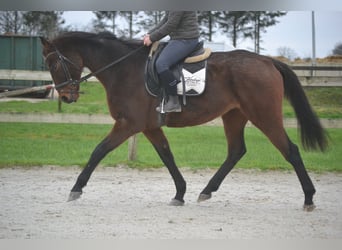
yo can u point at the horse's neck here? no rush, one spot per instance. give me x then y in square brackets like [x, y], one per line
[95, 58]
[100, 57]
[91, 57]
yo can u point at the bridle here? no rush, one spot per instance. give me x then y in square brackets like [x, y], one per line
[62, 60]
[69, 81]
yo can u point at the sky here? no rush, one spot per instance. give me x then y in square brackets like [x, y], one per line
[293, 31]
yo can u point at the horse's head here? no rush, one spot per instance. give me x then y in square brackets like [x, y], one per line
[65, 66]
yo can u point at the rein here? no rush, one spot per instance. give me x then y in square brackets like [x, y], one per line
[86, 77]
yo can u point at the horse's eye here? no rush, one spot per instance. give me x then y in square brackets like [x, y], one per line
[53, 66]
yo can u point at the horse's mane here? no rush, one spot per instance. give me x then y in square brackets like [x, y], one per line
[98, 37]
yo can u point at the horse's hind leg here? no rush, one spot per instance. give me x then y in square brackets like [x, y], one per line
[275, 131]
[234, 123]
[161, 145]
[309, 190]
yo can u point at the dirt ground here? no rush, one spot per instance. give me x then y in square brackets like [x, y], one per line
[123, 203]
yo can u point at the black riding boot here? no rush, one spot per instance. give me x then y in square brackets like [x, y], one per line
[172, 101]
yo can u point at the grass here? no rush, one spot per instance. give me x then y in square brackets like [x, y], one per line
[28, 144]
[327, 102]
[32, 144]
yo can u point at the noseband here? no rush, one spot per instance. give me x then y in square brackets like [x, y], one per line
[64, 60]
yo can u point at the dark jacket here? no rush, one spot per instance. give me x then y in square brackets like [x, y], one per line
[178, 25]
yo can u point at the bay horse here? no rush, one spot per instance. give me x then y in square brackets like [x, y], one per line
[241, 86]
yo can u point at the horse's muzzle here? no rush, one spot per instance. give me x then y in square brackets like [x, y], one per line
[68, 100]
[69, 95]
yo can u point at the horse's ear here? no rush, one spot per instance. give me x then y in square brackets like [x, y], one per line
[45, 42]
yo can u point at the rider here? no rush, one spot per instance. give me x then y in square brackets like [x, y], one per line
[182, 27]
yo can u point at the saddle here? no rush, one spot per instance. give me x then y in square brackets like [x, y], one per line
[190, 72]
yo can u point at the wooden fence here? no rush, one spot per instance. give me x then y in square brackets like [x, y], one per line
[308, 75]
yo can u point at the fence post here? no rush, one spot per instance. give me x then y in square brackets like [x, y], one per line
[59, 104]
[132, 148]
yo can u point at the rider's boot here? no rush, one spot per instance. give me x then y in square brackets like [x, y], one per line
[172, 103]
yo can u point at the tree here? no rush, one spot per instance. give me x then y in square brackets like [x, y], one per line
[107, 21]
[148, 19]
[11, 22]
[45, 23]
[207, 21]
[338, 49]
[130, 18]
[260, 21]
[235, 24]
[286, 52]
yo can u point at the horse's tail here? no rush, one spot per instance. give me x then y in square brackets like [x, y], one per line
[312, 133]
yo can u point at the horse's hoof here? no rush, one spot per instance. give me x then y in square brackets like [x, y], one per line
[175, 202]
[309, 208]
[203, 197]
[74, 196]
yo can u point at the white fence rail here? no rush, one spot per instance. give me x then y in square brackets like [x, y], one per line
[8, 74]
[25, 75]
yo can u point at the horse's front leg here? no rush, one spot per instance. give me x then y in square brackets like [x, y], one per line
[161, 145]
[117, 136]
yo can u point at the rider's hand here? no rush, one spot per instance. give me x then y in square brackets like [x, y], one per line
[147, 40]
